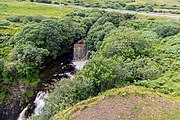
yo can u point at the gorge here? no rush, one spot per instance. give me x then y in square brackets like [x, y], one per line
[66, 69]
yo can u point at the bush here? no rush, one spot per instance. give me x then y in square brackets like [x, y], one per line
[65, 94]
[3, 93]
[167, 30]
[124, 43]
[36, 18]
[9, 73]
[28, 59]
[47, 35]
[26, 19]
[4, 23]
[44, 1]
[56, 3]
[1, 66]
[131, 7]
[95, 36]
[15, 18]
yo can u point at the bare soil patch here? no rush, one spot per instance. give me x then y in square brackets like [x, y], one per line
[134, 107]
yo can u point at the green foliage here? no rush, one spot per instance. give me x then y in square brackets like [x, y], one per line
[26, 19]
[46, 35]
[28, 59]
[3, 93]
[9, 72]
[96, 35]
[4, 23]
[167, 30]
[65, 93]
[73, 30]
[102, 28]
[124, 43]
[43, 1]
[130, 7]
[1, 66]
[101, 71]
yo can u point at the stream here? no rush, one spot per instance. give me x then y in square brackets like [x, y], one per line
[55, 70]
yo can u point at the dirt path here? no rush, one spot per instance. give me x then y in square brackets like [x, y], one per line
[169, 15]
[134, 107]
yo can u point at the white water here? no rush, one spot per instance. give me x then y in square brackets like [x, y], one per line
[39, 102]
[41, 96]
[79, 64]
[22, 114]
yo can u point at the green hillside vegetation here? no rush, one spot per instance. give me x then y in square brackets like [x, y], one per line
[160, 6]
[13, 8]
[126, 50]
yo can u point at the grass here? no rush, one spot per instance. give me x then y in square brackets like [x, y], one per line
[169, 2]
[12, 8]
[123, 93]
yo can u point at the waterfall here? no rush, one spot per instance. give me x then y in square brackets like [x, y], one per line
[80, 51]
[39, 102]
[22, 114]
[80, 54]
[80, 58]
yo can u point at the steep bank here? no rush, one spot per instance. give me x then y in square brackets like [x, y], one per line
[11, 109]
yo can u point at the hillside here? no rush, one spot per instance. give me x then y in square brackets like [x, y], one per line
[130, 62]
[135, 103]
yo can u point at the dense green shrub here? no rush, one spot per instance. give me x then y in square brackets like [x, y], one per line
[28, 59]
[96, 35]
[65, 94]
[47, 35]
[36, 18]
[124, 43]
[4, 23]
[131, 7]
[3, 93]
[44, 1]
[15, 18]
[101, 72]
[4, 37]
[9, 72]
[56, 3]
[121, 58]
[1, 66]
[26, 19]
[167, 30]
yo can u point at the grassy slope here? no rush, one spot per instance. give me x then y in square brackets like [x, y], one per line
[124, 92]
[170, 2]
[168, 82]
[12, 8]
